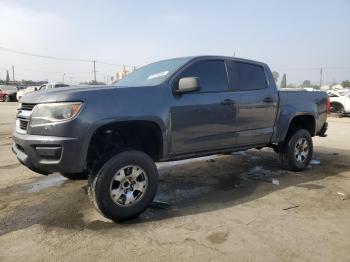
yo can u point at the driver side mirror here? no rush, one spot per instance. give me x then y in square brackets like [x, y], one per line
[187, 84]
[35, 89]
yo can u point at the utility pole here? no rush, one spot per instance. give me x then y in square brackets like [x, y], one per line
[321, 73]
[13, 73]
[94, 61]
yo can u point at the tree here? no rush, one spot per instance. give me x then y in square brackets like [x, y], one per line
[346, 83]
[284, 81]
[7, 76]
[306, 83]
[275, 75]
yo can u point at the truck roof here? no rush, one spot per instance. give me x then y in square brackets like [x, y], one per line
[223, 57]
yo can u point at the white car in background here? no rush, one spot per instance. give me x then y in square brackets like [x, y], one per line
[37, 88]
[29, 89]
[340, 101]
[52, 85]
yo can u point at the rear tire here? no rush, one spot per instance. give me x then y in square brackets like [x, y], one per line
[124, 186]
[296, 152]
[76, 176]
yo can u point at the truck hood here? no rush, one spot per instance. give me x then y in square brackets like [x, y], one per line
[62, 94]
[101, 94]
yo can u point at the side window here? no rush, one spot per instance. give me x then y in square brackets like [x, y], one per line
[251, 77]
[212, 75]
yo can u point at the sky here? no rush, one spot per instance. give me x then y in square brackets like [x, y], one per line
[292, 37]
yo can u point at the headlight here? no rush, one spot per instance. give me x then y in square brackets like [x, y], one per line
[54, 112]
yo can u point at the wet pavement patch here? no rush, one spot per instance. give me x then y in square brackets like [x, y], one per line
[45, 183]
[100, 225]
[218, 237]
[310, 186]
[156, 204]
[259, 173]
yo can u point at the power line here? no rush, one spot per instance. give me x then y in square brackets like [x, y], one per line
[43, 56]
[44, 71]
[59, 58]
[111, 64]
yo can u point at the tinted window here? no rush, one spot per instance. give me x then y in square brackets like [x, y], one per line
[251, 77]
[212, 75]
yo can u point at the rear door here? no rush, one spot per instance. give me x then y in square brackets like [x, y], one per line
[256, 100]
[203, 120]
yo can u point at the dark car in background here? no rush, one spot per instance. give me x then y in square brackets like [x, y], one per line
[8, 93]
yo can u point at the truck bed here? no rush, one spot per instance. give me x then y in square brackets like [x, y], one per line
[294, 102]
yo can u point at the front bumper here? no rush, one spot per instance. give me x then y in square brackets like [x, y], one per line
[48, 154]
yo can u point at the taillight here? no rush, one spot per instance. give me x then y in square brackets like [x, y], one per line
[328, 106]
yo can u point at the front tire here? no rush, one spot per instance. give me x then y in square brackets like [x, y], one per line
[7, 99]
[124, 186]
[296, 152]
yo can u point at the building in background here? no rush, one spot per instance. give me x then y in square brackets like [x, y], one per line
[119, 75]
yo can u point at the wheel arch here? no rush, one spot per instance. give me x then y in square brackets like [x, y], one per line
[145, 134]
[302, 121]
[332, 103]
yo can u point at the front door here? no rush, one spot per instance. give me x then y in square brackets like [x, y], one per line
[203, 120]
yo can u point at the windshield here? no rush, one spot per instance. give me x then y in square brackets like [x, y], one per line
[152, 74]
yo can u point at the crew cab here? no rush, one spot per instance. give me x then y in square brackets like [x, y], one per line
[168, 110]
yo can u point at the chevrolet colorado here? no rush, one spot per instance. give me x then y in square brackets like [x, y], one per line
[169, 110]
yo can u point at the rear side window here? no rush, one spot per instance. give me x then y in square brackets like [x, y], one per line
[251, 77]
[212, 75]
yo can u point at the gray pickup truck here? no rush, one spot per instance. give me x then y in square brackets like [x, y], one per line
[169, 110]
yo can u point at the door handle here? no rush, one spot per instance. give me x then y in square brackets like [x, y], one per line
[227, 102]
[268, 99]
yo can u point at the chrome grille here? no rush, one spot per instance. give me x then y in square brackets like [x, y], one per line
[23, 117]
[23, 124]
[26, 106]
